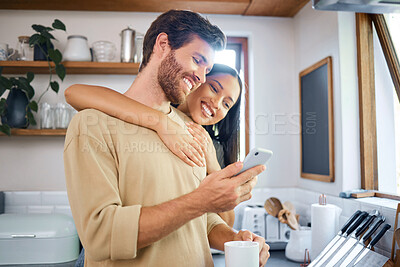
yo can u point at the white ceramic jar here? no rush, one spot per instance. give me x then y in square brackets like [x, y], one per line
[299, 241]
[77, 49]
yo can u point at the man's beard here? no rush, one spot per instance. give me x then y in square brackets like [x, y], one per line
[169, 77]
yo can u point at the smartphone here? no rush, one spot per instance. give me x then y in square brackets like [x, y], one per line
[257, 156]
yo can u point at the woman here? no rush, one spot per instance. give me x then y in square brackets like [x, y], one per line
[215, 104]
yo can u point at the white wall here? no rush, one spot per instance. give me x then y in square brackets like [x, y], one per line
[35, 163]
[320, 34]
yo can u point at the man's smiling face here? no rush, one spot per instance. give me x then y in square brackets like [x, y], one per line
[184, 69]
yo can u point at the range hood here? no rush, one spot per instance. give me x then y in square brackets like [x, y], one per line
[361, 6]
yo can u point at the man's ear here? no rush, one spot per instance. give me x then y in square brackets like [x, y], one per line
[161, 46]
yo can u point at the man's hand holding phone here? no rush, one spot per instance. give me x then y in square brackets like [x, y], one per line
[225, 189]
[222, 190]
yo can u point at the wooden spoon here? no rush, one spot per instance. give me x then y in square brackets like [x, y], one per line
[273, 205]
[289, 215]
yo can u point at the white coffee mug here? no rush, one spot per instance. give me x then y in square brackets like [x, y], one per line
[241, 253]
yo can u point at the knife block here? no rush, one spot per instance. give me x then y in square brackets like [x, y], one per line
[373, 259]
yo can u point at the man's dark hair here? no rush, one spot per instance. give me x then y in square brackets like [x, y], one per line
[181, 26]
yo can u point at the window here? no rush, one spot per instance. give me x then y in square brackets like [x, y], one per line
[378, 75]
[235, 56]
[393, 22]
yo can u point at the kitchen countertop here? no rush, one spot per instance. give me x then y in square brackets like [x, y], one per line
[277, 259]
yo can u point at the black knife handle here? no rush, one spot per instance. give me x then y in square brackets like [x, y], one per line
[364, 225]
[357, 222]
[373, 228]
[379, 235]
[350, 221]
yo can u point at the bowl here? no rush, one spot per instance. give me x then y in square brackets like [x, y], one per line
[104, 51]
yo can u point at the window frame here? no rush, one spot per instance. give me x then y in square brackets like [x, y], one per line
[242, 42]
[366, 86]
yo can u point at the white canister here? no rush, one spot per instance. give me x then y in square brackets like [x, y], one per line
[299, 241]
[77, 49]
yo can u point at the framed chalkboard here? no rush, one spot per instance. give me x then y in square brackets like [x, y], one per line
[316, 122]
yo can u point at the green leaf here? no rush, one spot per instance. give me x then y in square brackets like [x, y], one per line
[5, 82]
[42, 40]
[38, 28]
[3, 106]
[22, 82]
[55, 86]
[33, 106]
[34, 39]
[14, 82]
[5, 129]
[57, 24]
[4, 85]
[26, 87]
[31, 92]
[60, 70]
[30, 76]
[2, 90]
[55, 55]
[30, 117]
[48, 35]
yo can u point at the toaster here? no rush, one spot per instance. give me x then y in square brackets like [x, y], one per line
[258, 221]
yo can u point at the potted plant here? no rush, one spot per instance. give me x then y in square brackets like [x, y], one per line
[16, 110]
[44, 50]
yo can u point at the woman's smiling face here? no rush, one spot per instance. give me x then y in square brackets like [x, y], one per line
[210, 103]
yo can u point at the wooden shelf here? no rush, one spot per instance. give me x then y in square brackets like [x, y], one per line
[37, 132]
[279, 8]
[73, 67]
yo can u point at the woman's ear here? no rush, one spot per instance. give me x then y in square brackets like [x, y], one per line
[161, 46]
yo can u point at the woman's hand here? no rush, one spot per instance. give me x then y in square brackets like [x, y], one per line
[181, 143]
[205, 142]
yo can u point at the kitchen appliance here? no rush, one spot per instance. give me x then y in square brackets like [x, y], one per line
[362, 6]
[258, 221]
[38, 239]
[77, 49]
[127, 45]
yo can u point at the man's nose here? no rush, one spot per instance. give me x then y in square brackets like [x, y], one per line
[201, 75]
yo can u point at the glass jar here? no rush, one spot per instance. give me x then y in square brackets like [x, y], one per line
[46, 114]
[24, 50]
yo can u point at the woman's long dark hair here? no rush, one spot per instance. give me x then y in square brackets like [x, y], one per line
[226, 131]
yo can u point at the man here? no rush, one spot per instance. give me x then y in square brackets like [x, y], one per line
[134, 202]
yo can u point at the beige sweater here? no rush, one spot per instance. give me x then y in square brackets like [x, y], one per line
[112, 169]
